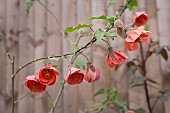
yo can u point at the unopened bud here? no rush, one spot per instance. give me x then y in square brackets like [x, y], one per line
[118, 23]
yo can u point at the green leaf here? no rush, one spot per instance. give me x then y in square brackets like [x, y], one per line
[29, 4]
[137, 80]
[112, 19]
[111, 2]
[71, 29]
[109, 35]
[74, 47]
[102, 17]
[55, 66]
[79, 64]
[140, 110]
[163, 98]
[99, 34]
[121, 104]
[50, 104]
[164, 54]
[99, 106]
[99, 92]
[132, 4]
[111, 95]
[146, 27]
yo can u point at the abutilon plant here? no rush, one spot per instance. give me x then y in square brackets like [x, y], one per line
[132, 37]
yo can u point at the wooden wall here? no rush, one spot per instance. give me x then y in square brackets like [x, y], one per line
[39, 35]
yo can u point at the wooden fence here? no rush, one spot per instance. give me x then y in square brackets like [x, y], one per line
[38, 35]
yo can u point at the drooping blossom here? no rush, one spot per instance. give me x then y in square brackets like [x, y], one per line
[34, 85]
[91, 73]
[47, 75]
[140, 18]
[130, 111]
[74, 76]
[135, 35]
[115, 58]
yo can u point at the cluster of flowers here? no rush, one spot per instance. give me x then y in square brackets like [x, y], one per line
[47, 74]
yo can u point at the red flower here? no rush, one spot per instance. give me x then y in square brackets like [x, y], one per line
[135, 35]
[91, 73]
[140, 18]
[74, 76]
[34, 85]
[115, 58]
[47, 75]
[130, 111]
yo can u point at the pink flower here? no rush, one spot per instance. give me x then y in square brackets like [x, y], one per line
[47, 75]
[34, 85]
[135, 35]
[91, 73]
[115, 58]
[140, 18]
[74, 76]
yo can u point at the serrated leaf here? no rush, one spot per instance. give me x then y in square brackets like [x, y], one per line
[102, 17]
[71, 29]
[99, 34]
[112, 19]
[111, 2]
[164, 54]
[132, 4]
[29, 4]
[99, 106]
[79, 64]
[140, 110]
[99, 92]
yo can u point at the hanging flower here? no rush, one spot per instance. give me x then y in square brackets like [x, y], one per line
[118, 23]
[135, 35]
[130, 111]
[140, 18]
[91, 73]
[115, 58]
[47, 75]
[74, 76]
[34, 85]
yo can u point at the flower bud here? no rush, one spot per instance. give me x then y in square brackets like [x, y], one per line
[118, 23]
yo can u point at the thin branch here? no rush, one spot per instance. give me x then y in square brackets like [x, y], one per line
[22, 97]
[143, 66]
[125, 7]
[13, 83]
[57, 98]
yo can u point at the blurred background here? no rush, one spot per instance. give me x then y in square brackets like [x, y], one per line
[39, 35]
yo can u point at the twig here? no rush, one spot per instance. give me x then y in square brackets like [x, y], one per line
[125, 7]
[57, 98]
[13, 83]
[143, 66]
[22, 97]
[155, 103]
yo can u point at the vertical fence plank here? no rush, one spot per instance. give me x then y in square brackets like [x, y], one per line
[2, 58]
[83, 13]
[26, 53]
[11, 36]
[40, 36]
[69, 19]
[54, 45]
[163, 16]
[153, 70]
